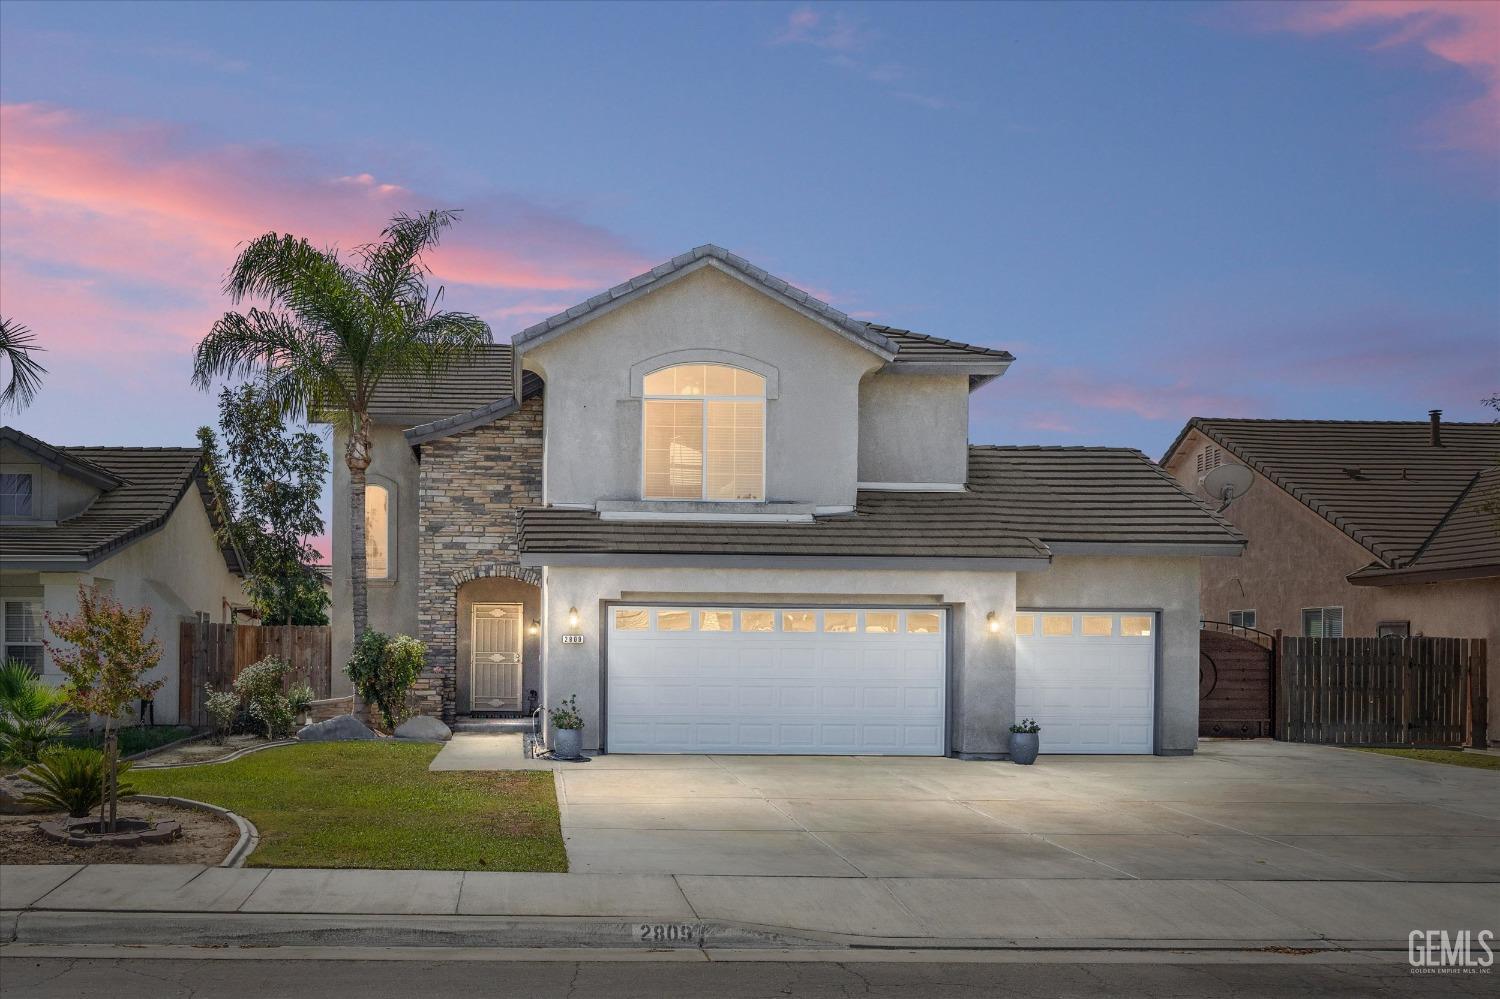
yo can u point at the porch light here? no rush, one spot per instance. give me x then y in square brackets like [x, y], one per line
[573, 618]
[992, 621]
[534, 628]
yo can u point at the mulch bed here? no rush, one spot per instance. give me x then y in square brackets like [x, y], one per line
[206, 839]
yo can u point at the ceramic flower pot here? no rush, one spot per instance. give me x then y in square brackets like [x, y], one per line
[567, 743]
[1024, 747]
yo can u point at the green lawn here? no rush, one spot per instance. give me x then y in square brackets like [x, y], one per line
[1455, 757]
[363, 804]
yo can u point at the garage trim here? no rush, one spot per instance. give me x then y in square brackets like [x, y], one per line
[952, 626]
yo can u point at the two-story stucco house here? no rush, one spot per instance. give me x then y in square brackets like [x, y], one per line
[730, 518]
[138, 522]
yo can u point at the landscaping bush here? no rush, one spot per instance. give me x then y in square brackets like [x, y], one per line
[383, 669]
[30, 714]
[300, 699]
[259, 686]
[223, 708]
[72, 778]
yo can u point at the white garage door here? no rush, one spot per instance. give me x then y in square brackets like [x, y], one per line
[793, 680]
[1088, 677]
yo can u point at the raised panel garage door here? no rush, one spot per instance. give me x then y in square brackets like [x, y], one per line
[1089, 679]
[791, 680]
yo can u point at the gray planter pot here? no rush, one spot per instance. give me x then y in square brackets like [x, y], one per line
[567, 743]
[1024, 747]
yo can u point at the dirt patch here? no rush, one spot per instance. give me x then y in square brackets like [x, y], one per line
[206, 839]
[202, 751]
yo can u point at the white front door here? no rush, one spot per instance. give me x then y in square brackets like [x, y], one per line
[1088, 678]
[495, 658]
[793, 680]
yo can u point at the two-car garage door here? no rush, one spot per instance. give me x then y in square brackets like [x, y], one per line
[793, 680]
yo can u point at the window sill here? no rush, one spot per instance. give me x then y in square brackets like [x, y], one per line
[748, 511]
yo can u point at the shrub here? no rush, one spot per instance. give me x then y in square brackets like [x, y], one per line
[223, 707]
[1026, 726]
[300, 698]
[383, 669]
[30, 714]
[566, 715]
[73, 779]
[259, 686]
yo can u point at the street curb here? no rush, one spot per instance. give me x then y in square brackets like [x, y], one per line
[249, 835]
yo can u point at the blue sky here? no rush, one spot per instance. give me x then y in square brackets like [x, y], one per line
[1163, 210]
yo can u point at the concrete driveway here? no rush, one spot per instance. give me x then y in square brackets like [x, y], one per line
[1249, 811]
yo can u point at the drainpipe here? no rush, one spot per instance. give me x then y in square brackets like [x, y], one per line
[1436, 418]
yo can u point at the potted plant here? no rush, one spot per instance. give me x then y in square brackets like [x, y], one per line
[567, 730]
[1024, 741]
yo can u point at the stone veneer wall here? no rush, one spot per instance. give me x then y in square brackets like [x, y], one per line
[471, 485]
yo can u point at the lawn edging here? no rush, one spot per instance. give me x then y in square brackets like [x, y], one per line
[222, 759]
[249, 835]
[146, 754]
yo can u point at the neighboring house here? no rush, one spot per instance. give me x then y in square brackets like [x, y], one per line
[137, 521]
[1357, 528]
[730, 518]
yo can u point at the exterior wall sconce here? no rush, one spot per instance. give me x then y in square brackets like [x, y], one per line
[573, 618]
[534, 628]
[992, 622]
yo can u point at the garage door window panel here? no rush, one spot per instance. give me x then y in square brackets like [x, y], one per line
[1057, 625]
[715, 620]
[674, 620]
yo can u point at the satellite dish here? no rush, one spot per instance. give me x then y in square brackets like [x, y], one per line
[1227, 483]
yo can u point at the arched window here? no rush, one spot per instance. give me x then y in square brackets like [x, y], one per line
[704, 434]
[377, 532]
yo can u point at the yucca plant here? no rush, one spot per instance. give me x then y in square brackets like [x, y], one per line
[30, 713]
[72, 778]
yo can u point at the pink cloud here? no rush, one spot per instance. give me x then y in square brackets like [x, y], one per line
[837, 32]
[1463, 33]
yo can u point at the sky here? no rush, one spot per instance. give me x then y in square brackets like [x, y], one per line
[1163, 210]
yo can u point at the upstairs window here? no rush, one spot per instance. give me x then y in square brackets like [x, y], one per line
[377, 532]
[15, 494]
[704, 434]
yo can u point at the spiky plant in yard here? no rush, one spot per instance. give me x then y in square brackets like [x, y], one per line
[30, 713]
[106, 655]
[17, 344]
[331, 333]
[73, 778]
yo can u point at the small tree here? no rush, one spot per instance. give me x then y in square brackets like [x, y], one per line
[269, 481]
[259, 685]
[107, 655]
[383, 670]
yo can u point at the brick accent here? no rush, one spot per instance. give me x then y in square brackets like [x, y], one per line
[470, 486]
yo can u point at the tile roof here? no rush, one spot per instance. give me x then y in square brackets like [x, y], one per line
[1382, 483]
[152, 482]
[458, 388]
[1465, 545]
[922, 347]
[1021, 504]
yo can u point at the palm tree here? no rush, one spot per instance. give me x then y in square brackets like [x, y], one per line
[16, 345]
[331, 334]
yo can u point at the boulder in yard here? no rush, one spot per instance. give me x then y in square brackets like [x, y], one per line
[424, 727]
[13, 791]
[339, 728]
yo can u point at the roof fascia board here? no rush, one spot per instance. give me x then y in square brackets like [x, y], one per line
[425, 432]
[665, 561]
[1410, 577]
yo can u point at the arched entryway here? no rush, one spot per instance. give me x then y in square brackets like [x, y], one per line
[497, 667]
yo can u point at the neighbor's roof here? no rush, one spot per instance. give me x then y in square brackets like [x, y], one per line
[151, 481]
[1022, 506]
[1415, 507]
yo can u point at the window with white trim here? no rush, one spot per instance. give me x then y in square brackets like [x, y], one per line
[1323, 622]
[1242, 618]
[377, 532]
[17, 494]
[23, 633]
[703, 434]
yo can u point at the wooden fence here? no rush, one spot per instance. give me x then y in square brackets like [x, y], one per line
[1236, 670]
[212, 655]
[1382, 691]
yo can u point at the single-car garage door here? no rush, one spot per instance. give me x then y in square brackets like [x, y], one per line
[795, 680]
[1089, 678]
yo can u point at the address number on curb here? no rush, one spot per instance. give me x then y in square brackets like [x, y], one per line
[672, 934]
[572, 639]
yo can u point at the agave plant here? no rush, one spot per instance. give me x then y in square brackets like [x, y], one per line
[30, 713]
[72, 778]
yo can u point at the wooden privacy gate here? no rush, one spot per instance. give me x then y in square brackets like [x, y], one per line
[1236, 670]
[212, 655]
[1382, 691]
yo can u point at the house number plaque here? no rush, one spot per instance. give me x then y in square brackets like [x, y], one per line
[572, 639]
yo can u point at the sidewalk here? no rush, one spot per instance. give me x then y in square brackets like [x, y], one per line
[193, 905]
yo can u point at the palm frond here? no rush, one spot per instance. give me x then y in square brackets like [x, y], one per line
[17, 343]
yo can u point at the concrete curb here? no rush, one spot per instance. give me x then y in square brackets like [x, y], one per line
[146, 754]
[249, 835]
[222, 759]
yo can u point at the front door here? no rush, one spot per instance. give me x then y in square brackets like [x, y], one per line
[495, 658]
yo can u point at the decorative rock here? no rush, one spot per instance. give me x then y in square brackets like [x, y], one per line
[340, 728]
[13, 791]
[424, 727]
